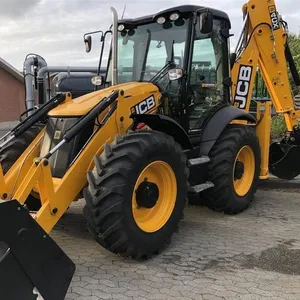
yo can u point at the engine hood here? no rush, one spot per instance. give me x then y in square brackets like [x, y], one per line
[81, 105]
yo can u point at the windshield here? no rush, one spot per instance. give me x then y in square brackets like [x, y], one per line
[145, 50]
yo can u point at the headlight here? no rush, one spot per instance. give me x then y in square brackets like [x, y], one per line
[97, 80]
[121, 27]
[161, 20]
[174, 16]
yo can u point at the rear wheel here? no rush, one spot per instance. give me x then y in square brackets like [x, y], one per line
[136, 193]
[234, 169]
[10, 153]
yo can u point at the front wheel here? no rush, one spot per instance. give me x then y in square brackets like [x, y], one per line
[136, 193]
[234, 169]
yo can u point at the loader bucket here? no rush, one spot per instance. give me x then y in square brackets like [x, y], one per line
[284, 160]
[31, 263]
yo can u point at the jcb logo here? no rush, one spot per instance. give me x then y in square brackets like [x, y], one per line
[274, 17]
[243, 85]
[144, 106]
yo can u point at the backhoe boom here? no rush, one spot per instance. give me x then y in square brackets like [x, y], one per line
[264, 45]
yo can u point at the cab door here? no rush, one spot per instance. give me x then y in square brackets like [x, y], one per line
[206, 90]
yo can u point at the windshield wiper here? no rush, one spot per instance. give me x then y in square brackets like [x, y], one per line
[162, 71]
[169, 64]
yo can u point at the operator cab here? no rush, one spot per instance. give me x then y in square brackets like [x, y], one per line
[182, 50]
[173, 39]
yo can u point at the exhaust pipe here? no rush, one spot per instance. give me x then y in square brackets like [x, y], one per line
[29, 64]
[114, 46]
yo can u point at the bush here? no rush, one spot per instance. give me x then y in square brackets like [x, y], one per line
[278, 127]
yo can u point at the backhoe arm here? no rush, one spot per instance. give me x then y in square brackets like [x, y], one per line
[263, 44]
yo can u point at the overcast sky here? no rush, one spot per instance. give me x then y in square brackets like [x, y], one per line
[55, 28]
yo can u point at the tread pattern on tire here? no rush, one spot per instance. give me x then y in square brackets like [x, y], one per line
[10, 153]
[106, 192]
[222, 197]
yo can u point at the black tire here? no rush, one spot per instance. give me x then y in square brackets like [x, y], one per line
[108, 208]
[223, 196]
[10, 153]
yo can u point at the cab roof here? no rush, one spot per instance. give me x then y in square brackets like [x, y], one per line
[181, 9]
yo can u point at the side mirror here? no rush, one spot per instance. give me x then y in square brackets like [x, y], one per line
[88, 43]
[175, 74]
[97, 80]
[232, 59]
[206, 22]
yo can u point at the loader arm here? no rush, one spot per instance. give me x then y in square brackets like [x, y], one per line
[33, 170]
[56, 194]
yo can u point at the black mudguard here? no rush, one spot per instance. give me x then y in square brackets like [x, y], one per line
[166, 125]
[218, 122]
[29, 259]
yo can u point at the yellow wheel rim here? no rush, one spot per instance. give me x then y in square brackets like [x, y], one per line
[162, 175]
[243, 171]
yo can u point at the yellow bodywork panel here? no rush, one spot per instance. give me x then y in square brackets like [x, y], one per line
[80, 106]
[56, 194]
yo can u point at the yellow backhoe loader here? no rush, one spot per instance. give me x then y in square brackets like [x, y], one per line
[172, 122]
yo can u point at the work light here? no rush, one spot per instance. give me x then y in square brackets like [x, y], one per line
[161, 20]
[174, 16]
